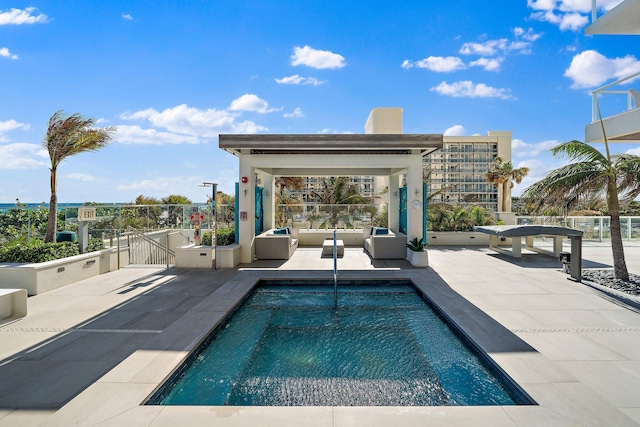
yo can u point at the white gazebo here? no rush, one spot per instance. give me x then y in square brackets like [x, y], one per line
[389, 155]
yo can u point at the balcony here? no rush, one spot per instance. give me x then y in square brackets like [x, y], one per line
[622, 19]
[621, 127]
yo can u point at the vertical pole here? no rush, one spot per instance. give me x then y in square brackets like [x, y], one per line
[166, 248]
[335, 271]
[214, 227]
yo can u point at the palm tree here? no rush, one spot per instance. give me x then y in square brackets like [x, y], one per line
[67, 136]
[502, 175]
[339, 191]
[615, 178]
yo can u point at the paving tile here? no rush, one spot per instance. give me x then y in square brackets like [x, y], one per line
[240, 416]
[436, 416]
[619, 386]
[579, 403]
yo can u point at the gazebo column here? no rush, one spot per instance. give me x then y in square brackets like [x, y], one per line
[247, 214]
[393, 208]
[415, 212]
[268, 201]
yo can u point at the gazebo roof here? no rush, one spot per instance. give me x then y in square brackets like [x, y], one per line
[350, 144]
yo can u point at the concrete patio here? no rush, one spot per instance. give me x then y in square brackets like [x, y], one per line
[90, 353]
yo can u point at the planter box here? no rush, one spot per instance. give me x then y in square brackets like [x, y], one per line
[418, 259]
[228, 256]
[191, 256]
[41, 277]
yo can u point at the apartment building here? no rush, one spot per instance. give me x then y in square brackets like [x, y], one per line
[456, 174]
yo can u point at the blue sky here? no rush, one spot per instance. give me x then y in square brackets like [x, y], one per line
[174, 75]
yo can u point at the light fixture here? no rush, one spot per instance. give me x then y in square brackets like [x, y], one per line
[395, 194]
[244, 191]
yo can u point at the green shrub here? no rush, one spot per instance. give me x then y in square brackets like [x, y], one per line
[95, 244]
[206, 239]
[226, 236]
[38, 252]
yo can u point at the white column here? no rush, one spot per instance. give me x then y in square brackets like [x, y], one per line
[268, 201]
[394, 202]
[415, 212]
[246, 205]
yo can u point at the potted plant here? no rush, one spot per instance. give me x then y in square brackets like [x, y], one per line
[417, 253]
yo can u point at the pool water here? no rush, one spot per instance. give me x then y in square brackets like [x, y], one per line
[383, 346]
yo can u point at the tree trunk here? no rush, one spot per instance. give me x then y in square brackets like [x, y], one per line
[52, 223]
[505, 189]
[617, 249]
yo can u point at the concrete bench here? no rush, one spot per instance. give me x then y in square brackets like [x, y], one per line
[517, 232]
[13, 304]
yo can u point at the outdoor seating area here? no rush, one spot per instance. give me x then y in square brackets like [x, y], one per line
[276, 243]
[382, 243]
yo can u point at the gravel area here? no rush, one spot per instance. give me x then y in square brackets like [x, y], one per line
[607, 278]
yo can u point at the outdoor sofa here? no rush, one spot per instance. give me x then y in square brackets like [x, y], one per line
[276, 243]
[382, 243]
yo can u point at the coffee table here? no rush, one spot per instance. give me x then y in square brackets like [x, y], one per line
[327, 247]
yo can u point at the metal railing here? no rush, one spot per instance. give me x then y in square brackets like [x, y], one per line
[630, 93]
[593, 227]
[147, 251]
[24, 223]
[311, 216]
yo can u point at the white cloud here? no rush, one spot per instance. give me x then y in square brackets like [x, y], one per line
[528, 35]
[438, 64]
[79, 177]
[296, 113]
[468, 89]
[489, 64]
[567, 14]
[455, 130]
[29, 15]
[522, 149]
[298, 80]
[634, 151]
[158, 184]
[137, 135]
[320, 59]
[333, 131]
[590, 69]
[127, 17]
[4, 52]
[183, 124]
[251, 102]
[493, 47]
[10, 125]
[23, 156]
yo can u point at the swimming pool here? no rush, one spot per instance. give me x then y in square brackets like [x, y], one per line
[383, 346]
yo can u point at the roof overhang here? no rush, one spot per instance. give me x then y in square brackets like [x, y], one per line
[622, 19]
[342, 144]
